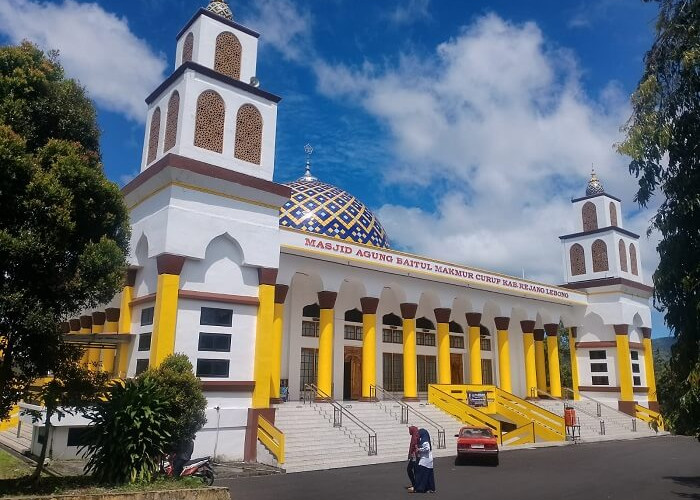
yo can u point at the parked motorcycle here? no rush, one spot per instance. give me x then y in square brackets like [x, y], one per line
[198, 467]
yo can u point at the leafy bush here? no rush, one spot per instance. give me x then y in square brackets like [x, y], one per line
[184, 397]
[130, 431]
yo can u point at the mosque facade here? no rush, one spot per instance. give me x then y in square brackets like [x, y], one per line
[268, 287]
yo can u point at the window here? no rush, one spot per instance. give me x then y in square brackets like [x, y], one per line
[613, 214]
[147, 316]
[213, 316]
[485, 341]
[153, 136]
[599, 250]
[635, 368]
[145, 342]
[353, 332]
[456, 342]
[424, 323]
[311, 311]
[425, 338]
[486, 372]
[596, 354]
[309, 367]
[635, 355]
[227, 58]
[209, 122]
[599, 380]
[187, 48]
[392, 336]
[309, 329]
[392, 320]
[249, 129]
[212, 367]
[392, 371]
[589, 216]
[622, 250]
[633, 259]
[599, 367]
[577, 257]
[215, 342]
[456, 327]
[427, 371]
[637, 380]
[76, 436]
[141, 366]
[171, 122]
[353, 316]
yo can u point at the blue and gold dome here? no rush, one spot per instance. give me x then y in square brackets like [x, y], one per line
[327, 210]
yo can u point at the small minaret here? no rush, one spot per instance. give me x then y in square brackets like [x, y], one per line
[601, 247]
[211, 108]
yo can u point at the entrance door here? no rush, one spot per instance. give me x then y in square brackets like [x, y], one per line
[352, 373]
[456, 368]
[486, 372]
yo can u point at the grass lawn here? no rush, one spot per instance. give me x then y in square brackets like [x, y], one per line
[11, 467]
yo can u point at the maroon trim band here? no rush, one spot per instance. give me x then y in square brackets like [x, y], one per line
[408, 310]
[442, 314]
[244, 300]
[369, 305]
[326, 299]
[527, 326]
[502, 322]
[473, 319]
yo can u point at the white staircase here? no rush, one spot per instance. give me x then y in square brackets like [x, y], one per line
[617, 425]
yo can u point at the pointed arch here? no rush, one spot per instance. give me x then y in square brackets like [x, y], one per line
[622, 250]
[599, 251]
[227, 58]
[392, 319]
[353, 315]
[171, 121]
[209, 122]
[577, 258]
[589, 216]
[456, 327]
[425, 324]
[188, 47]
[613, 214]
[633, 259]
[311, 311]
[249, 127]
[153, 135]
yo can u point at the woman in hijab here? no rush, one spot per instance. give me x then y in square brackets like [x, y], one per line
[412, 457]
[425, 477]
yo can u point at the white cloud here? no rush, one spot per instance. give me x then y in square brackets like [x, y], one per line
[498, 115]
[407, 12]
[284, 26]
[117, 68]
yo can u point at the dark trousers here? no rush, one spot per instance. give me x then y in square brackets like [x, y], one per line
[425, 479]
[178, 465]
[411, 471]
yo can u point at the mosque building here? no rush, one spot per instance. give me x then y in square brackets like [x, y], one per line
[270, 286]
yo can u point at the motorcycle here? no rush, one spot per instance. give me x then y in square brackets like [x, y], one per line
[198, 467]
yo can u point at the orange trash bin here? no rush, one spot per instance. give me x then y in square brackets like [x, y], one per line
[569, 417]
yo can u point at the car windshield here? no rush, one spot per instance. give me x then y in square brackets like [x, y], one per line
[476, 433]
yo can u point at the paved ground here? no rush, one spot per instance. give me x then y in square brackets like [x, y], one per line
[654, 468]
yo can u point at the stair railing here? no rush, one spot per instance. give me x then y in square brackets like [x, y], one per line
[600, 406]
[406, 409]
[312, 393]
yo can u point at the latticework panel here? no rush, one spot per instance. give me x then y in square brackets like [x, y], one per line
[613, 214]
[249, 127]
[171, 121]
[227, 59]
[599, 252]
[577, 257]
[590, 217]
[633, 259]
[209, 123]
[153, 135]
[187, 48]
[622, 249]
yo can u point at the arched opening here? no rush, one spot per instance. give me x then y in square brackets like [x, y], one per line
[353, 325]
[589, 216]
[308, 370]
[209, 122]
[249, 126]
[171, 121]
[153, 135]
[352, 355]
[599, 251]
[577, 257]
[613, 214]
[486, 363]
[622, 250]
[456, 359]
[227, 59]
[392, 362]
[633, 259]
[456, 327]
[187, 48]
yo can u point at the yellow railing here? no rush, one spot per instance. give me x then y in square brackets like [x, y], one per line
[651, 417]
[12, 421]
[271, 437]
[522, 435]
[548, 426]
[461, 410]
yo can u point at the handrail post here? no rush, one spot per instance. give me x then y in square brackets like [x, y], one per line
[634, 425]
[602, 427]
[599, 410]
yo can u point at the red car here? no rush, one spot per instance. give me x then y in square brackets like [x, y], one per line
[477, 442]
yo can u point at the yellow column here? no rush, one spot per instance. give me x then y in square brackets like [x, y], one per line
[123, 318]
[264, 345]
[649, 367]
[624, 365]
[410, 372]
[165, 312]
[277, 338]
[326, 302]
[574, 362]
[109, 355]
[474, 322]
[369, 344]
[503, 353]
[98, 325]
[553, 358]
[528, 327]
[442, 316]
[93, 354]
[540, 360]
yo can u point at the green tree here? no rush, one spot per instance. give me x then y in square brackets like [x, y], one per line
[662, 138]
[64, 228]
[184, 396]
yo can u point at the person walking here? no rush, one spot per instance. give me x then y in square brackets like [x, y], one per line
[425, 477]
[412, 457]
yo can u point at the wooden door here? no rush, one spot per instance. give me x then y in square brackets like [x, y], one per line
[353, 357]
[457, 368]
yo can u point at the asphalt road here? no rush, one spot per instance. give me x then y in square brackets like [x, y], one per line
[655, 468]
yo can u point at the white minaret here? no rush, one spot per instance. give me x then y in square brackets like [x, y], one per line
[211, 108]
[600, 248]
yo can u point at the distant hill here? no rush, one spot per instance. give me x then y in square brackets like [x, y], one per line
[663, 345]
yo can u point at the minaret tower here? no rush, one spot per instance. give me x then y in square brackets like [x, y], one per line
[211, 108]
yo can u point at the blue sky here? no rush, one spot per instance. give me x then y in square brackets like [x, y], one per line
[466, 126]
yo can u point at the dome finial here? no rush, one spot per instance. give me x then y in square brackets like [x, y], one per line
[308, 149]
[594, 186]
[220, 8]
